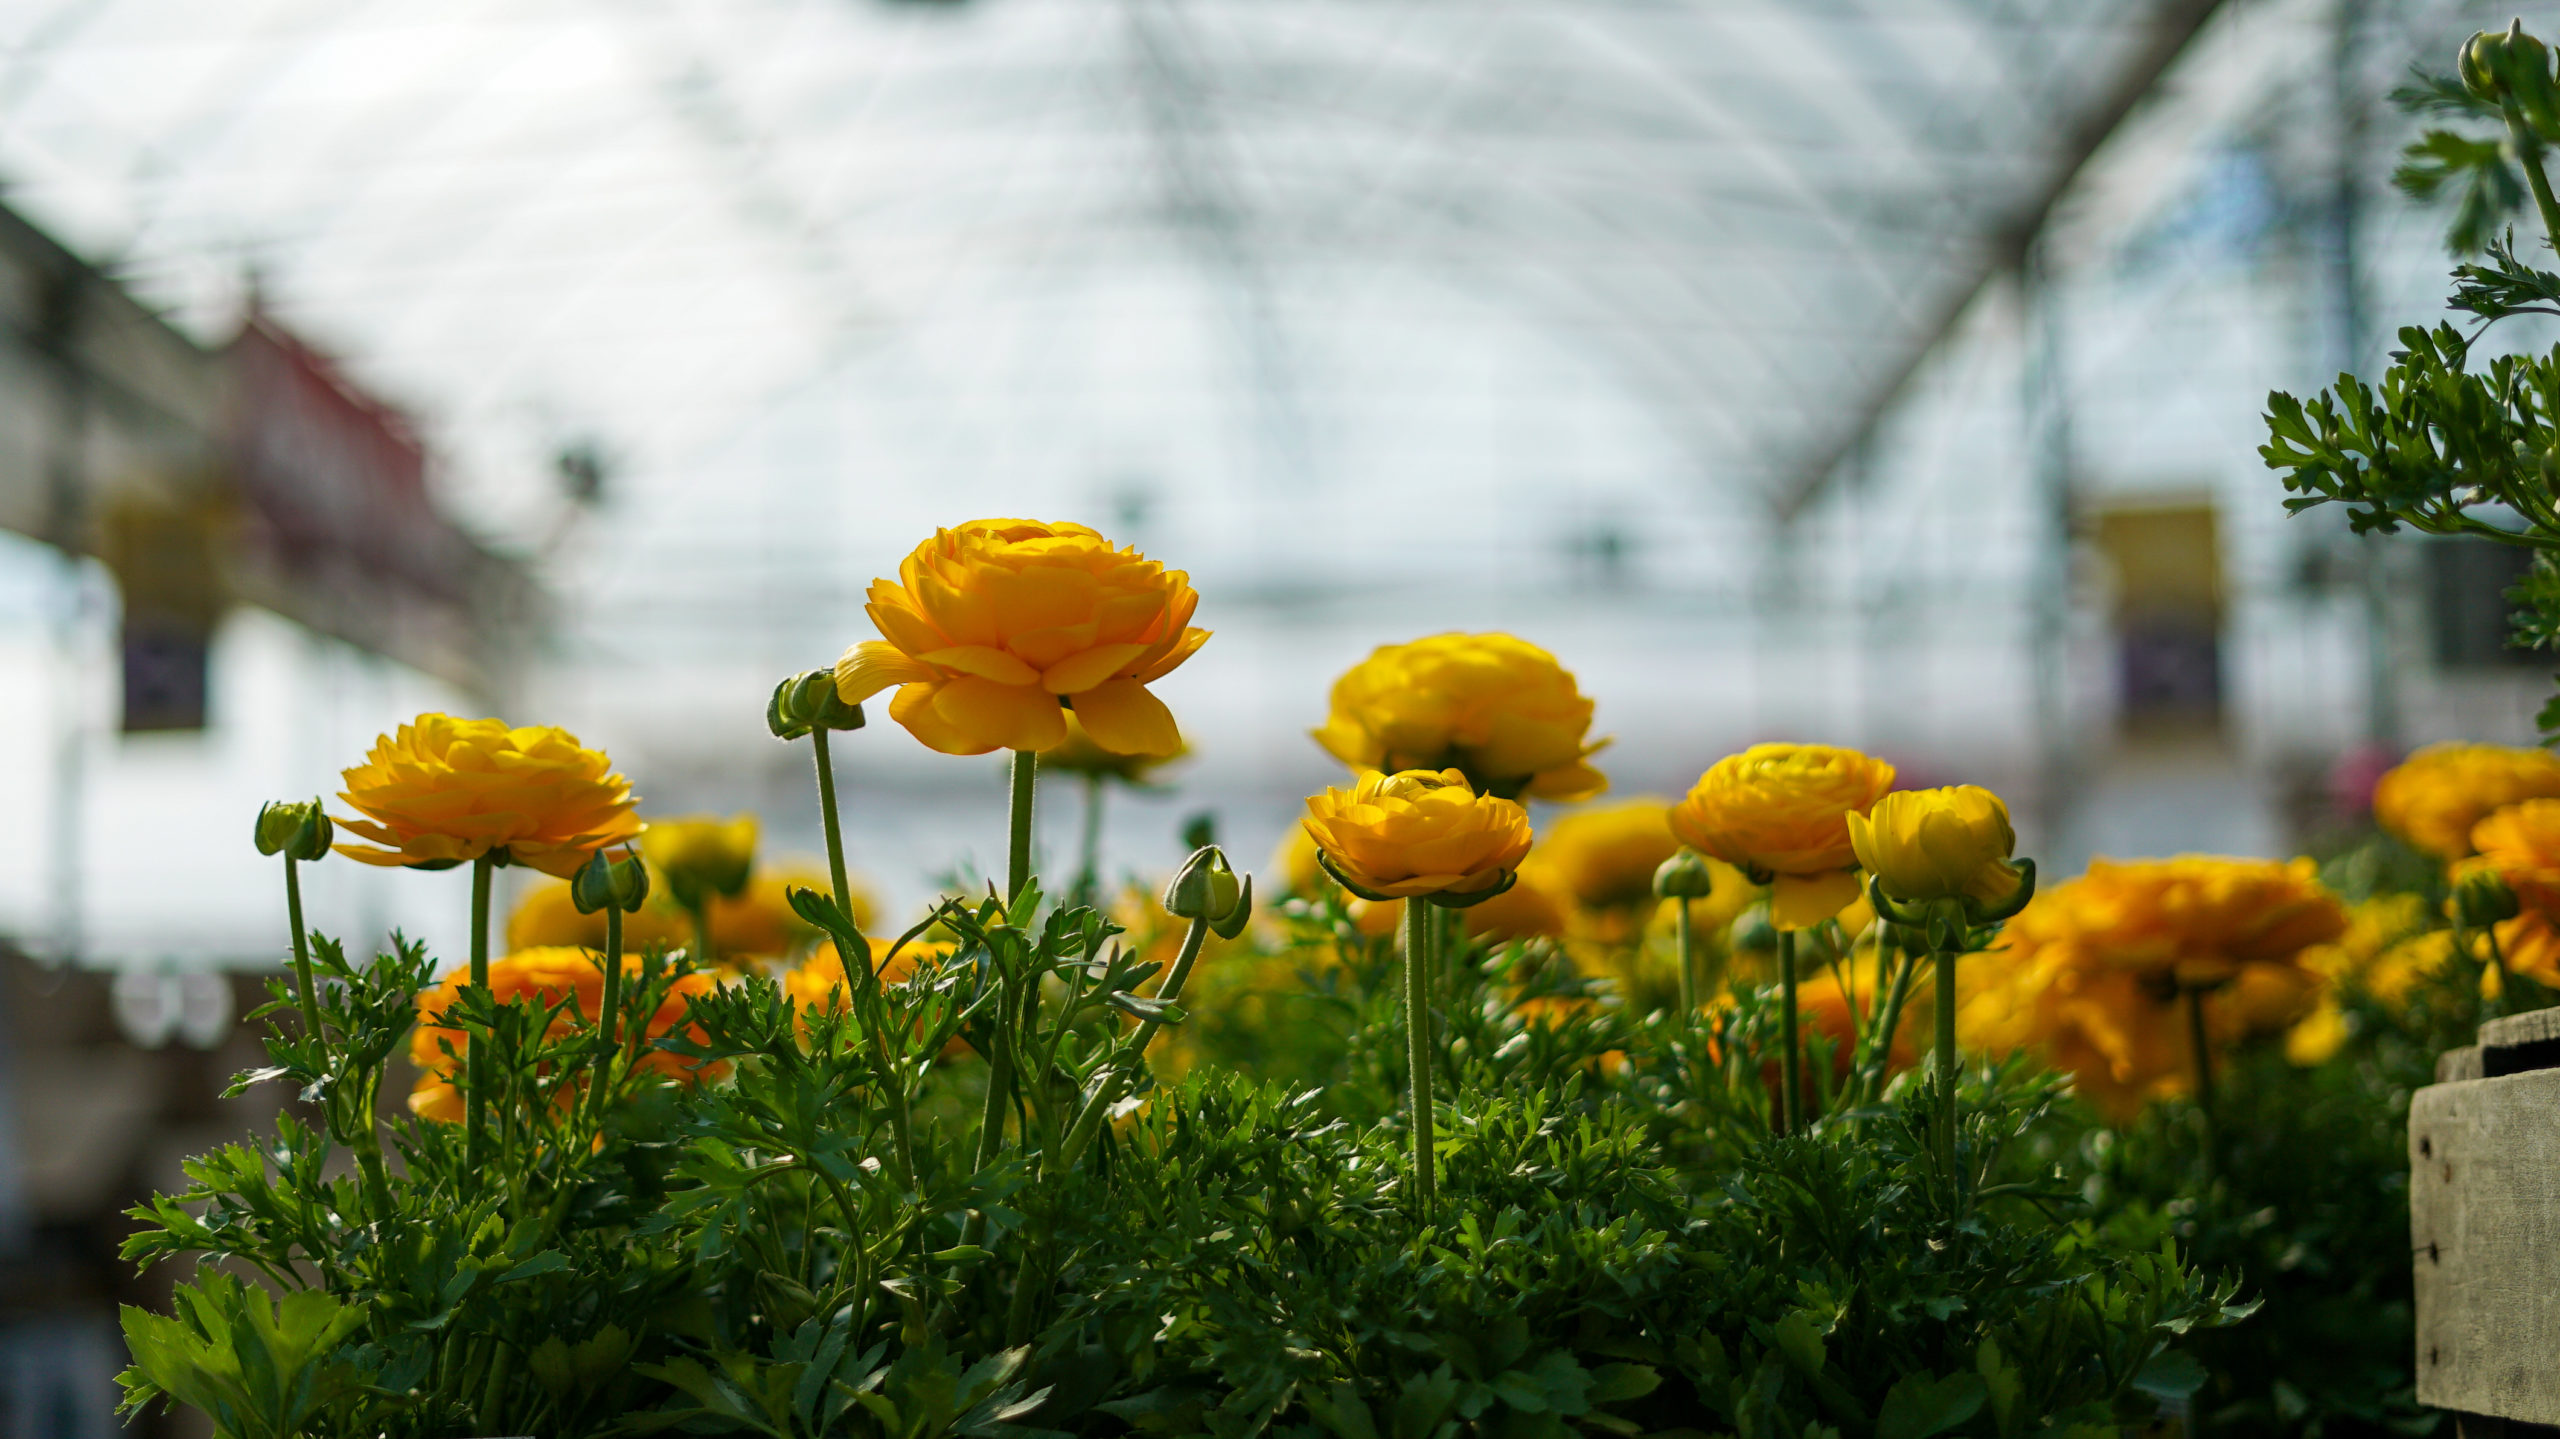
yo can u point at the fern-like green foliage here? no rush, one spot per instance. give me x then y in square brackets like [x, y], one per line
[2441, 444]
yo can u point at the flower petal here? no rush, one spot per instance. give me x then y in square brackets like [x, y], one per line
[1001, 716]
[1078, 673]
[984, 661]
[913, 708]
[1801, 901]
[1124, 717]
[873, 666]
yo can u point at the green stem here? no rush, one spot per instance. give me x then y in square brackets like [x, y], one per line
[2529, 154]
[2201, 1042]
[1680, 929]
[1417, 1025]
[309, 998]
[611, 1009]
[1017, 855]
[476, 1058]
[700, 909]
[1944, 977]
[1791, 1043]
[1890, 1022]
[1089, 870]
[827, 817]
[1088, 1125]
[860, 993]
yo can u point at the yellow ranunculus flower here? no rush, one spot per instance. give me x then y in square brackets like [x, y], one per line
[993, 625]
[2094, 972]
[701, 855]
[1417, 833]
[1782, 810]
[1929, 844]
[1497, 709]
[443, 791]
[547, 976]
[2433, 798]
[1605, 857]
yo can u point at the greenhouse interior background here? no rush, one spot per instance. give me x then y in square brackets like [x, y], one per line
[1880, 372]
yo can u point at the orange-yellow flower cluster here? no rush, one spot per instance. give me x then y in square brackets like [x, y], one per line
[757, 923]
[1418, 833]
[1782, 810]
[546, 976]
[2521, 845]
[445, 791]
[1496, 708]
[2436, 797]
[2093, 971]
[994, 625]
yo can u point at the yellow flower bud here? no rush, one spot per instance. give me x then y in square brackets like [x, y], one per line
[808, 701]
[1204, 888]
[991, 626]
[1931, 844]
[1684, 876]
[1418, 833]
[701, 855]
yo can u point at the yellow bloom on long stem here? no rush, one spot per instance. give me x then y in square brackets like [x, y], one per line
[1494, 707]
[992, 627]
[446, 791]
[1418, 833]
[701, 855]
[2435, 797]
[1781, 811]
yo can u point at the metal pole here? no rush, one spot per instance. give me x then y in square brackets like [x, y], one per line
[2045, 409]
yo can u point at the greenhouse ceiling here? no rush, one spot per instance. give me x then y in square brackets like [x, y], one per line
[643, 220]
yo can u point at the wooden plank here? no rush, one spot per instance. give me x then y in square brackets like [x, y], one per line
[2484, 1219]
[2520, 1042]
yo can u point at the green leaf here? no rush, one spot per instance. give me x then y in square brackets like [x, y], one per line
[1612, 1383]
[2172, 1374]
[1918, 1406]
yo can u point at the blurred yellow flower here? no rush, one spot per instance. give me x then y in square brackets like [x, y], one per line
[701, 855]
[2434, 797]
[1931, 844]
[1605, 857]
[444, 791]
[1782, 810]
[1494, 707]
[1418, 833]
[994, 624]
[757, 923]
[547, 976]
[1530, 909]
[2094, 971]
[818, 981]
[2521, 845]
[1078, 754]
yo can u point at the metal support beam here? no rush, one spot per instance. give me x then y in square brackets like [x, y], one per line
[2006, 249]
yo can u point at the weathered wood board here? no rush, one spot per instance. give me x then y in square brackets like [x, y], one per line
[2484, 1216]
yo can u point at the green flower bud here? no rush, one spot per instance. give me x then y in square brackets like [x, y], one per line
[1684, 876]
[2481, 898]
[2478, 63]
[1204, 888]
[609, 884]
[809, 701]
[1233, 923]
[295, 829]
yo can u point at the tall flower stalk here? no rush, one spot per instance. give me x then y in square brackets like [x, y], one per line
[1429, 840]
